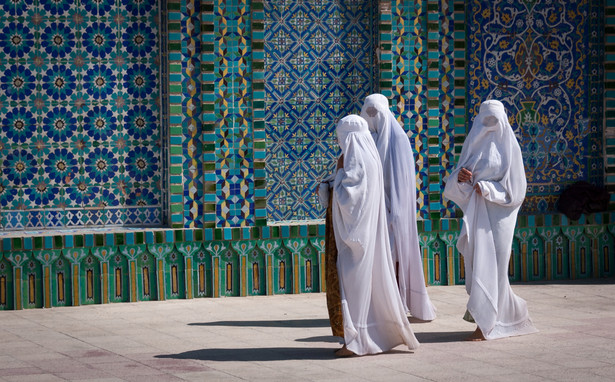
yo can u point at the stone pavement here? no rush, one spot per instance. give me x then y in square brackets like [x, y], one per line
[287, 338]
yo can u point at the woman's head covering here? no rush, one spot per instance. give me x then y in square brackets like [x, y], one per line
[347, 126]
[359, 182]
[491, 152]
[381, 122]
[396, 156]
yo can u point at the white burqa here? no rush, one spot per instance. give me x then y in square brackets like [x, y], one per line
[374, 316]
[492, 154]
[399, 175]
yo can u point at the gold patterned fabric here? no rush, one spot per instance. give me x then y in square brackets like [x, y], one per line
[334, 299]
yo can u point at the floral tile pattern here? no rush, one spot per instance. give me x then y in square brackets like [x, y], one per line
[80, 143]
[533, 56]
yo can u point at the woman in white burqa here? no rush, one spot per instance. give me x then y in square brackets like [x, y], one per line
[489, 185]
[399, 175]
[374, 317]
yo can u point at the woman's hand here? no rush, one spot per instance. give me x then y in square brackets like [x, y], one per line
[464, 175]
[477, 189]
[340, 161]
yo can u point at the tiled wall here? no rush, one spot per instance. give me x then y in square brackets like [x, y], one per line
[543, 60]
[227, 237]
[609, 94]
[319, 66]
[94, 268]
[80, 111]
[426, 91]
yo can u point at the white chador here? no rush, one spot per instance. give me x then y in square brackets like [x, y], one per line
[400, 194]
[374, 316]
[493, 156]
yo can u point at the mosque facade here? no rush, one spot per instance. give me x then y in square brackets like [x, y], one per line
[169, 149]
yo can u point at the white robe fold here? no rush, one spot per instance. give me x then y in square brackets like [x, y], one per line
[491, 152]
[373, 313]
[399, 175]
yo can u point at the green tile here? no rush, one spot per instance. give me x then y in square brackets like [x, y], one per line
[198, 235]
[312, 230]
[120, 239]
[159, 237]
[540, 220]
[38, 243]
[17, 243]
[58, 242]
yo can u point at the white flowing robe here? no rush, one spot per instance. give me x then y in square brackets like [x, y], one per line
[491, 152]
[374, 316]
[399, 175]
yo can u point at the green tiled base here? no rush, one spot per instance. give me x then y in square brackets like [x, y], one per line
[84, 268]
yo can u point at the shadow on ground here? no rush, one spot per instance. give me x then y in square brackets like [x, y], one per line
[331, 339]
[255, 354]
[307, 323]
[439, 337]
[263, 354]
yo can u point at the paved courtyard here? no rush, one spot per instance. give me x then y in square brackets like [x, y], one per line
[287, 338]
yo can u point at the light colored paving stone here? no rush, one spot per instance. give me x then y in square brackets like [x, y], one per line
[33, 378]
[282, 338]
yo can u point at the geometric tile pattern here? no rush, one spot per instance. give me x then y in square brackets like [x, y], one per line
[596, 94]
[423, 93]
[192, 115]
[258, 113]
[609, 95]
[253, 257]
[208, 118]
[535, 56]
[319, 66]
[80, 143]
[443, 151]
[233, 114]
[164, 117]
[174, 11]
[90, 268]
[409, 86]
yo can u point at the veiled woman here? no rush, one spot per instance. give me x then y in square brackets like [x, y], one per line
[399, 175]
[489, 185]
[374, 317]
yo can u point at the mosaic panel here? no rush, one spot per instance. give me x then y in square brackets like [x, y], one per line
[319, 66]
[192, 115]
[409, 101]
[234, 149]
[258, 110]
[175, 12]
[535, 56]
[609, 94]
[78, 269]
[423, 92]
[79, 107]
